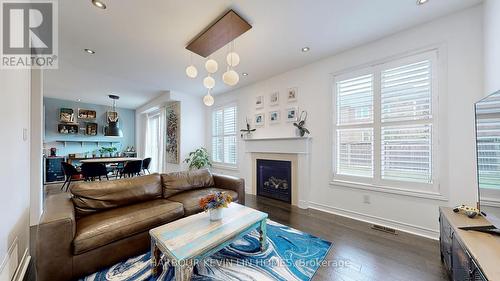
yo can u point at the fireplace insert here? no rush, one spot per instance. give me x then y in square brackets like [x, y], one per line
[274, 179]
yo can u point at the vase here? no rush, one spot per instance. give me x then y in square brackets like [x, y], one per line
[215, 214]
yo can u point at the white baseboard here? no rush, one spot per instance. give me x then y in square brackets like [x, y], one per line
[400, 226]
[303, 204]
[23, 266]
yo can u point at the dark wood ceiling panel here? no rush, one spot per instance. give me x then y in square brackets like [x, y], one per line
[216, 36]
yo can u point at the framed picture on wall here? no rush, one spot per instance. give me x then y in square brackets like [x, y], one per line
[274, 98]
[259, 102]
[274, 117]
[173, 114]
[260, 119]
[87, 114]
[66, 115]
[292, 94]
[292, 114]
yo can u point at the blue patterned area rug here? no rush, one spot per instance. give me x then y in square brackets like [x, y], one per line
[291, 255]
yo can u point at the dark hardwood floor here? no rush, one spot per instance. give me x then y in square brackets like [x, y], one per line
[358, 253]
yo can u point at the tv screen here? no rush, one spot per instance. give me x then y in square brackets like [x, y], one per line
[488, 154]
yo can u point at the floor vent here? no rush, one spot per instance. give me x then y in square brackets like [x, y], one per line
[384, 229]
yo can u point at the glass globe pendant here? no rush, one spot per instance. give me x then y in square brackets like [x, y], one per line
[231, 77]
[209, 82]
[211, 66]
[191, 71]
[233, 59]
[208, 99]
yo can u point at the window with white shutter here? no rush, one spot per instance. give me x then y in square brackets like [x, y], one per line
[384, 124]
[224, 141]
[354, 129]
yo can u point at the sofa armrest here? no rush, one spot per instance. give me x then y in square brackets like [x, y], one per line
[54, 238]
[231, 183]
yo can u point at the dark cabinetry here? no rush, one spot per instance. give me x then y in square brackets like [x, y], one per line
[53, 169]
[457, 259]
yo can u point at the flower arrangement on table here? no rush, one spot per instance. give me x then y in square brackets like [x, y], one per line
[214, 203]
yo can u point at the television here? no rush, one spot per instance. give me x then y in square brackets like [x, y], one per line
[487, 115]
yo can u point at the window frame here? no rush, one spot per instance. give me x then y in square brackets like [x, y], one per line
[377, 183]
[224, 165]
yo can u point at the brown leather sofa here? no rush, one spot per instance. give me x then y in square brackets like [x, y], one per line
[102, 223]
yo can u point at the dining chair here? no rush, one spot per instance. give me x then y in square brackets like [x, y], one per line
[132, 168]
[145, 165]
[71, 173]
[93, 171]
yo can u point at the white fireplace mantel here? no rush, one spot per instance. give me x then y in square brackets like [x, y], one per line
[286, 145]
[294, 149]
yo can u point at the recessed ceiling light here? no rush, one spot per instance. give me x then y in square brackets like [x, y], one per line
[79, 100]
[421, 2]
[89, 51]
[244, 74]
[99, 4]
[305, 49]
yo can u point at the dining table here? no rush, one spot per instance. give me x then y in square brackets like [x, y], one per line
[110, 160]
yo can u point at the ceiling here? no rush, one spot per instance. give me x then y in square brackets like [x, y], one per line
[140, 45]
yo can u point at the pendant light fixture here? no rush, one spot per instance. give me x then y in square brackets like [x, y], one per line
[113, 129]
[211, 66]
[209, 82]
[231, 77]
[191, 70]
[208, 99]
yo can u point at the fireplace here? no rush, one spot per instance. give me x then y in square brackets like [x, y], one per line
[274, 179]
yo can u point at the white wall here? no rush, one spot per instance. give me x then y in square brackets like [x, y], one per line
[141, 120]
[192, 124]
[15, 167]
[36, 139]
[491, 46]
[192, 133]
[459, 39]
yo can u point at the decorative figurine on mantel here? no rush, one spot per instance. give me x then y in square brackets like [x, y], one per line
[301, 130]
[247, 133]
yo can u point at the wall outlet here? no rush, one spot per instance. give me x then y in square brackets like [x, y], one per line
[366, 199]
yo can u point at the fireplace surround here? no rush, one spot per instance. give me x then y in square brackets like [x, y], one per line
[295, 150]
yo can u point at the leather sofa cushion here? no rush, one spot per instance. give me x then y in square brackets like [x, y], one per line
[174, 183]
[96, 230]
[92, 197]
[191, 199]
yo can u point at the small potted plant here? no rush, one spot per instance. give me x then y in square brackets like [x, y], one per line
[102, 151]
[214, 204]
[198, 159]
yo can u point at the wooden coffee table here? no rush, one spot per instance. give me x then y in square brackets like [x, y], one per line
[189, 240]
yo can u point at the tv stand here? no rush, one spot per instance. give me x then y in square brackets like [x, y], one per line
[466, 252]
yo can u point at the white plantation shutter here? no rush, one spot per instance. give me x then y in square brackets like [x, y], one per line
[406, 98]
[355, 152]
[355, 100]
[355, 108]
[384, 124]
[406, 92]
[407, 153]
[224, 142]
